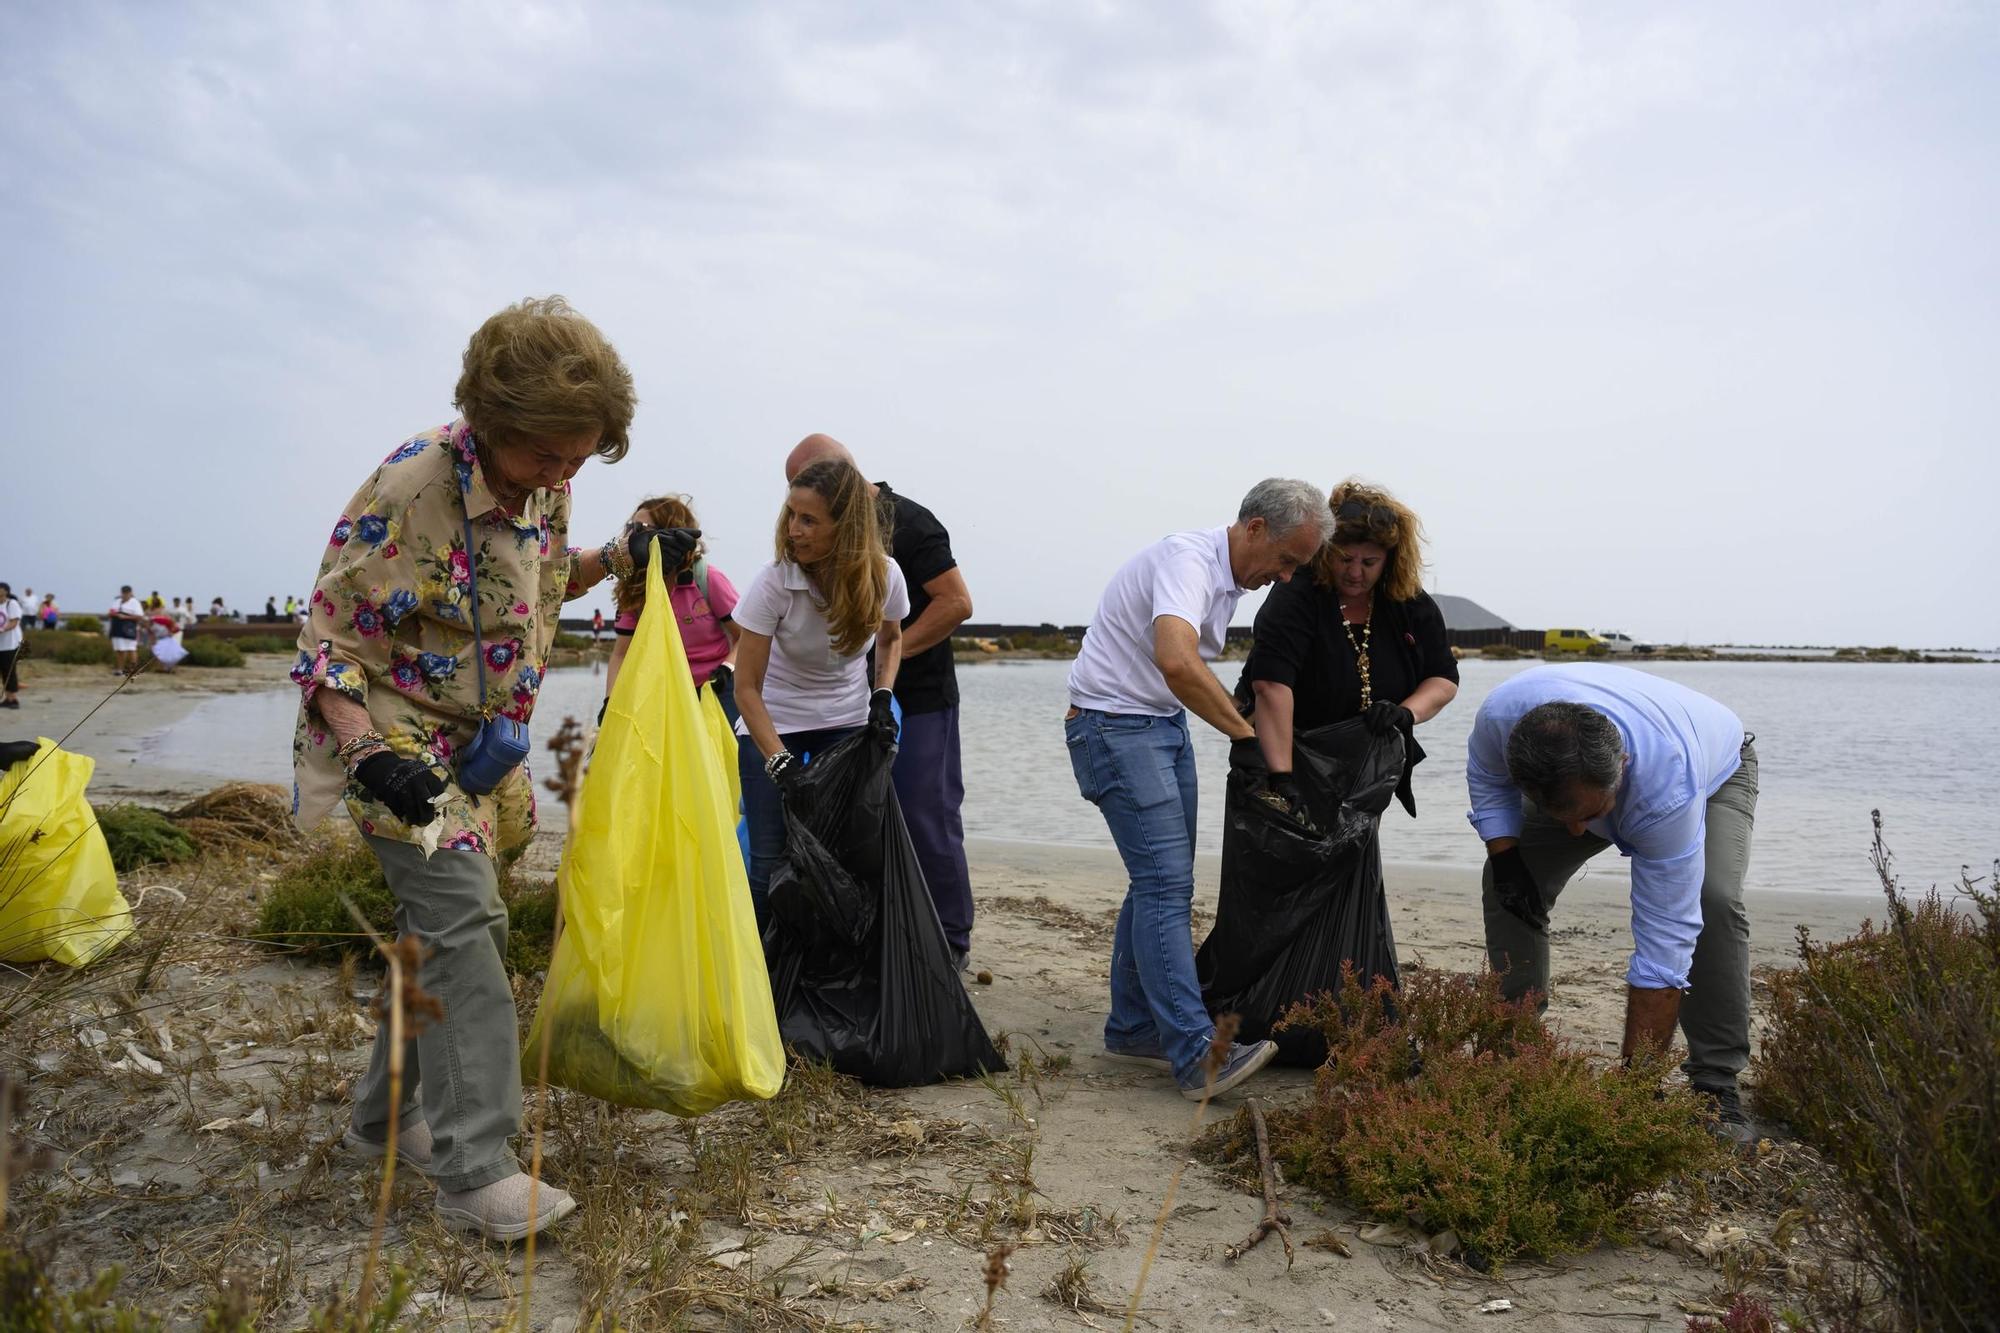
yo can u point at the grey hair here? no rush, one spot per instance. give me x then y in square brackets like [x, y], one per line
[1559, 746]
[1286, 504]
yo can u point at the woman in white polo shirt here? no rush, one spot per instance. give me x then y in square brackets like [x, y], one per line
[808, 620]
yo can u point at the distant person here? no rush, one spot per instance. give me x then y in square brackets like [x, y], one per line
[188, 615]
[930, 783]
[168, 651]
[219, 609]
[1139, 673]
[126, 621]
[291, 607]
[51, 615]
[155, 602]
[27, 601]
[12, 616]
[1566, 761]
[403, 661]
[702, 600]
[271, 608]
[808, 620]
[597, 632]
[1359, 638]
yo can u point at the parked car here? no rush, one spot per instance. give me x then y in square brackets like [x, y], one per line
[1569, 640]
[1616, 641]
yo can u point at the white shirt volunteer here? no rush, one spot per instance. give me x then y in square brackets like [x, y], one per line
[127, 631]
[1187, 576]
[808, 686]
[10, 609]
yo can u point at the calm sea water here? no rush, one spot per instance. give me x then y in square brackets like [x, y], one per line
[1920, 743]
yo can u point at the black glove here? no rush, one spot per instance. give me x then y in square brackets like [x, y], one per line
[1281, 792]
[784, 769]
[722, 678]
[1384, 717]
[407, 786]
[1246, 753]
[1287, 786]
[882, 716]
[1514, 885]
[675, 544]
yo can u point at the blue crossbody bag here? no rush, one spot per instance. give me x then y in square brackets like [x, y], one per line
[501, 743]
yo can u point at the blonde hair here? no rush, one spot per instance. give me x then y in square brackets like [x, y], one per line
[661, 511]
[538, 370]
[853, 580]
[1373, 515]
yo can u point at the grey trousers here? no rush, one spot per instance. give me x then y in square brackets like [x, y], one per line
[462, 1075]
[1715, 1014]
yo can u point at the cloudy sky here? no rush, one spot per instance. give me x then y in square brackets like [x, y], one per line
[1665, 318]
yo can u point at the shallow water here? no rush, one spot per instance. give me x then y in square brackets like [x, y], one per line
[1921, 743]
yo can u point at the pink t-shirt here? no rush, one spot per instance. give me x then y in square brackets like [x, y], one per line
[700, 619]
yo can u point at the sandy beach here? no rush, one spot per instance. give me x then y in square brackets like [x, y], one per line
[227, 1160]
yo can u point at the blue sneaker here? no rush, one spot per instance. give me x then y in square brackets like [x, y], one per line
[1244, 1060]
[1149, 1055]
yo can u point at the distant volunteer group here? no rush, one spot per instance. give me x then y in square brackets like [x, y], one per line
[437, 601]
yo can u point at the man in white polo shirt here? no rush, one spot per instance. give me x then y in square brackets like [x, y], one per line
[1142, 669]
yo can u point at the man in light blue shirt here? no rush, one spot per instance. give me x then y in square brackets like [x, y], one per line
[1565, 761]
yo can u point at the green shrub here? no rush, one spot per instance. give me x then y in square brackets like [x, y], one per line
[212, 652]
[1447, 1107]
[303, 907]
[1501, 652]
[531, 925]
[71, 647]
[1884, 1053]
[83, 624]
[264, 643]
[567, 640]
[140, 836]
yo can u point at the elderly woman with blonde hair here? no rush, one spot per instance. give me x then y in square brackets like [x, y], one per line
[426, 639]
[1360, 638]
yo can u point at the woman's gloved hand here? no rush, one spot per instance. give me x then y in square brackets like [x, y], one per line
[1384, 717]
[675, 546]
[882, 716]
[409, 787]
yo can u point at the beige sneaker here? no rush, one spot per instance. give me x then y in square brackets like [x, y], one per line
[413, 1147]
[499, 1211]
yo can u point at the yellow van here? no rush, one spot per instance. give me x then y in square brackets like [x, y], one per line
[1569, 640]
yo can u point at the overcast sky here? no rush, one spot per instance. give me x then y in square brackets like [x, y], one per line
[1673, 319]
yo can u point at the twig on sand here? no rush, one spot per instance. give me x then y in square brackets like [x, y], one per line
[1212, 1063]
[1275, 1219]
[995, 1274]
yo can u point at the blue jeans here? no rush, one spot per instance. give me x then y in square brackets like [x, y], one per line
[1139, 772]
[764, 807]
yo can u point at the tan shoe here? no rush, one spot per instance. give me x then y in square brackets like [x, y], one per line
[499, 1211]
[413, 1147]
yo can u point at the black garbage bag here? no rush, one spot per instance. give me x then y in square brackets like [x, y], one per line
[1299, 899]
[860, 970]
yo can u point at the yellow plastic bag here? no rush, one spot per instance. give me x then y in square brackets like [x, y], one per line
[657, 995]
[59, 894]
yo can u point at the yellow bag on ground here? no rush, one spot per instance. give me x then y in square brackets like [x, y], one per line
[657, 995]
[59, 894]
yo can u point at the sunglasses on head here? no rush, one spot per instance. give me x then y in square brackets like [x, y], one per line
[1360, 511]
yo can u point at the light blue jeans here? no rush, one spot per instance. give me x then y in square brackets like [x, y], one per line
[1139, 772]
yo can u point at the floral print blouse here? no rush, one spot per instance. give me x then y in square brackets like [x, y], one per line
[390, 626]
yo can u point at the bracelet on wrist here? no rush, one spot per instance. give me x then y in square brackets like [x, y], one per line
[777, 762]
[367, 740]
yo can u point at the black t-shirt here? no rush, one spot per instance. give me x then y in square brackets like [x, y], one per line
[1300, 643]
[926, 683]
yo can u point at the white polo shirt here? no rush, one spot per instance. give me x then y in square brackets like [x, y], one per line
[808, 686]
[1186, 575]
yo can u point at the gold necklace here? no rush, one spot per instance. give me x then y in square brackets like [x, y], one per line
[1360, 646]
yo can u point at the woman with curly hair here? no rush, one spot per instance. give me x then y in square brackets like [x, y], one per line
[1360, 638]
[426, 639]
[703, 604]
[807, 622]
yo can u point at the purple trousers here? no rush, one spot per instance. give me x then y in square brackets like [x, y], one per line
[930, 788]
